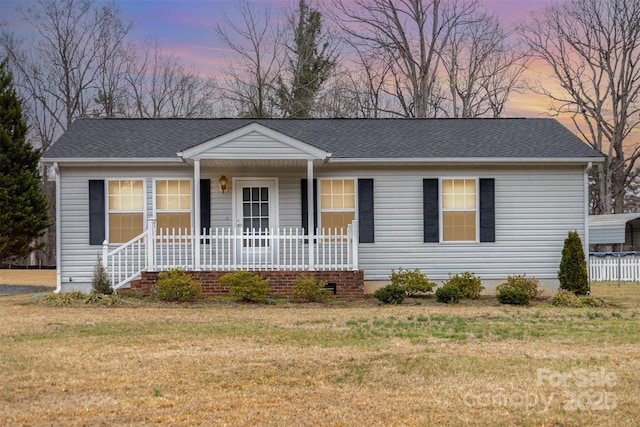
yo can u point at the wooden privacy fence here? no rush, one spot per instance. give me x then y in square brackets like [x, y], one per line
[610, 266]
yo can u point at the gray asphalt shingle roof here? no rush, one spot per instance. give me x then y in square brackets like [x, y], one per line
[344, 138]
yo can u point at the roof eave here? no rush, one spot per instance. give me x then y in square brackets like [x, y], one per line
[467, 160]
[109, 160]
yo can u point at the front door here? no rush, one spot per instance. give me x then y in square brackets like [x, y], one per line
[255, 214]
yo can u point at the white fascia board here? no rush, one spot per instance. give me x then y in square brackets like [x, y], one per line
[110, 160]
[467, 160]
[198, 151]
[301, 156]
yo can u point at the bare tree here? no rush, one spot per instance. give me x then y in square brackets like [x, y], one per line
[482, 66]
[412, 34]
[159, 86]
[593, 50]
[115, 55]
[59, 71]
[257, 44]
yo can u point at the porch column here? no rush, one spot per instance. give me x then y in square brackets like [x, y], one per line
[310, 227]
[196, 214]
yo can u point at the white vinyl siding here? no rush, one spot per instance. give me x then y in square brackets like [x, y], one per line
[535, 207]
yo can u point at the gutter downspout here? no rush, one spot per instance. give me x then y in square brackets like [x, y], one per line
[586, 221]
[56, 169]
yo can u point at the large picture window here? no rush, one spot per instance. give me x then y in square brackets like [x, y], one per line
[459, 210]
[173, 204]
[126, 209]
[337, 204]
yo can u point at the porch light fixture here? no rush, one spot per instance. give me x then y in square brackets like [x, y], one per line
[223, 183]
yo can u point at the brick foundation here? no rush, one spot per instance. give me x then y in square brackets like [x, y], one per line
[349, 284]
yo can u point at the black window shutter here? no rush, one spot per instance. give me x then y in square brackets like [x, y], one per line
[487, 210]
[205, 204]
[431, 214]
[365, 210]
[305, 206]
[96, 212]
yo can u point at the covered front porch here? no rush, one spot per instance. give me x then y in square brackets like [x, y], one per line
[248, 203]
[231, 249]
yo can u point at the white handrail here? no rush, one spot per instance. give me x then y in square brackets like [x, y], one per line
[228, 249]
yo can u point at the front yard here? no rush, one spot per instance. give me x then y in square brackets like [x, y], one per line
[420, 363]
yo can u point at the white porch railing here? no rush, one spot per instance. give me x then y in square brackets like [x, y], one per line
[229, 249]
[125, 263]
[614, 266]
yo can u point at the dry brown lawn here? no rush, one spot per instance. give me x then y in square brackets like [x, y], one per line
[147, 363]
[28, 277]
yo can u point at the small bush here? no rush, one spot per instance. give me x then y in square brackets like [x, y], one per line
[512, 295]
[307, 288]
[245, 286]
[390, 294]
[177, 285]
[100, 284]
[413, 281]
[468, 283]
[529, 284]
[63, 299]
[448, 293]
[565, 298]
[573, 266]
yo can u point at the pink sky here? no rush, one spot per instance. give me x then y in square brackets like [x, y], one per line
[185, 28]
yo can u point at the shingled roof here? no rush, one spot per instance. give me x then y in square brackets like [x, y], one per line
[375, 139]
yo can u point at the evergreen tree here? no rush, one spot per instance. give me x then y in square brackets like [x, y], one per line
[311, 64]
[23, 206]
[573, 266]
[101, 284]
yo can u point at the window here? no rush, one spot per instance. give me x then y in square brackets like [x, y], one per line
[173, 204]
[337, 203]
[126, 209]
[459, 201]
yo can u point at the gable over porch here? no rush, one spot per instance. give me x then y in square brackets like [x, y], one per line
[246, 231]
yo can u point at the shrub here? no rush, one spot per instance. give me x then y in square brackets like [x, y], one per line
[448, 293]
[573, 266]
[176, 285]
[100, 284]
[63, 299]
[512, 295]
[468, 283]
[245, 286]
[565, 298]
[413, 282]
[307, 288]
[390, 294]
[529, 284]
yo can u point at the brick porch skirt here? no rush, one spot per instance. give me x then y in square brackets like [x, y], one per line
[349, 284]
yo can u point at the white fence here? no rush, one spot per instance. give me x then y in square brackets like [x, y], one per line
[614, 266]
[229, 249]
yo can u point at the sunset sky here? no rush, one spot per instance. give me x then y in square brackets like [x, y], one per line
[186, 29]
